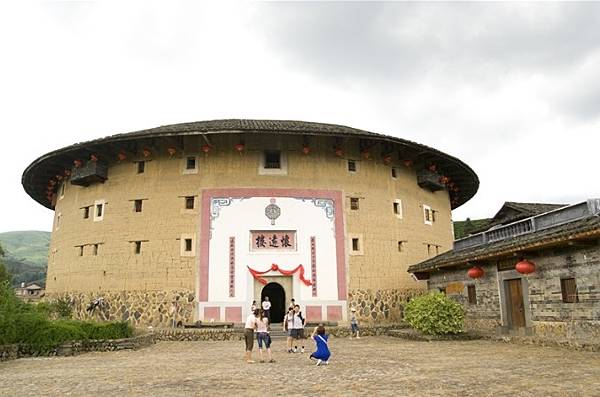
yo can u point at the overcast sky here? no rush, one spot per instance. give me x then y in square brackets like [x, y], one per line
[511, 89]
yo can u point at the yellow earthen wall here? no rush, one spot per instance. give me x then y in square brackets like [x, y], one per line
[163, 220]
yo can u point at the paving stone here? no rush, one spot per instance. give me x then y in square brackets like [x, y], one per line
[370, 366]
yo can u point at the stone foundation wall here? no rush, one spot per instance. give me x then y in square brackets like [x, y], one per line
[12, 352]
[9, 352]
[380, 306]
[140, 308]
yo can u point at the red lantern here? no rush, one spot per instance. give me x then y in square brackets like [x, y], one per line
[339, 152]
[274, 267]
[206, 148]
[67, 172]
[475, 272]
[240, 147]
[444, 180]
[407, 163]
[387, 160]
[78, 163]
[146, 152]
[51, 182]
[122, 156]
[306, 150]
[525, 267]
[366, 154]
[93, 157]
[432, 168]
[171, 150]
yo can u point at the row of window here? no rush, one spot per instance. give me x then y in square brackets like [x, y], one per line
[429, 215]
[271, 160]
[189, 203]
[568, 289]
[187, 247]
[356, 246]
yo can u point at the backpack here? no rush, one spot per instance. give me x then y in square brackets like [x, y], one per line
[301, 318]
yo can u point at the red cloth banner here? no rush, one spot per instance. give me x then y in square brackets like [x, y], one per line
[257, 275]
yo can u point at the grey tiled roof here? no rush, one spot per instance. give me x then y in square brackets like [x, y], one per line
[38, 173]
[561, 233]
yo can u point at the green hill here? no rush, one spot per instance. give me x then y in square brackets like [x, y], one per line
[27, 246]
[26, 255]
[463, 228]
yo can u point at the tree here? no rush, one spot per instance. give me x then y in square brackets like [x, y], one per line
[468, 227]
[4, 274]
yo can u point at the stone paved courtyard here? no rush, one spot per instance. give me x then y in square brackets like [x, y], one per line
[369, 366]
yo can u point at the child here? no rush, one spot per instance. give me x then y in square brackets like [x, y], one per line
[262, 335]
[322, 354]
[353, 324]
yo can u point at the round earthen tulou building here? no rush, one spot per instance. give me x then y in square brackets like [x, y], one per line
[194, 221]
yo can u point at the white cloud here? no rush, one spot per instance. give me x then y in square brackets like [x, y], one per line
[511, 89]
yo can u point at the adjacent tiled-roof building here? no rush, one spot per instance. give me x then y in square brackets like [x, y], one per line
[539, 275]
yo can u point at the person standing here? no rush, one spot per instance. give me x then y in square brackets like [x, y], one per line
[253, 307]
[288, 325]
[251, 322]
[263, 336]
[266, 306]
[298, 328]
[353, 324]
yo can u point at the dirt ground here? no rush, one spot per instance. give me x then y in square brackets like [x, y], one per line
[369, 366]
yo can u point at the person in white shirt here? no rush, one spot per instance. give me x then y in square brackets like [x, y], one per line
[288, 324]
[251, 322]
[298, 328]
[266, 306]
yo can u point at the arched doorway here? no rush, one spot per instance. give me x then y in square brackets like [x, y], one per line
[276, 295]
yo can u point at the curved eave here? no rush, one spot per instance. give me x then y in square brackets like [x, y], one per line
[37, 174]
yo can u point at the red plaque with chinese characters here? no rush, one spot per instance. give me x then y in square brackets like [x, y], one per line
[272, 240]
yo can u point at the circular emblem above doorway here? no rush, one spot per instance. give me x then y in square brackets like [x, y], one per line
[272, 211]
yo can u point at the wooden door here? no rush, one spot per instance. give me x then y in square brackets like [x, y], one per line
[514, 303]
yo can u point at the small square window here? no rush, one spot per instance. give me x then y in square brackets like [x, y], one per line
[272, 159]
[138, 247]
[141, 167]
[472, 295]
[95, 250]
[568, 288]
[433, 215]
[355, 245]
[137, 205]
[354, 203]
[99, 209]
[394, 172]
[397, 208]
[351, 165]
[401, 246]
[189, 203]
[190, 163]
[427, 215]
[86, 212]
[188, 245]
